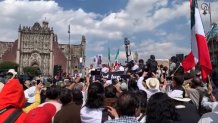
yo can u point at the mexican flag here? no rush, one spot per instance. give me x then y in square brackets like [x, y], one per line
[199, 49]
[116, 59]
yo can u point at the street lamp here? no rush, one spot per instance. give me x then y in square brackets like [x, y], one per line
[207, 9]
[127, 48]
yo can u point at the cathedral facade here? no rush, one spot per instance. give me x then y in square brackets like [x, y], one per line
[38, 46]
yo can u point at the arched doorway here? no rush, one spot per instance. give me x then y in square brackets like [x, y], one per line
[35, 64]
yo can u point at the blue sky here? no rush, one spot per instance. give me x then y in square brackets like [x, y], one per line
[96, 6]
[159, 27]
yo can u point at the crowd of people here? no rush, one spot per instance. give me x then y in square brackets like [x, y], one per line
[142, 92]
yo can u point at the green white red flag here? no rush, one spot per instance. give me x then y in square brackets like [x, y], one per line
[116, 58]
[199, 49]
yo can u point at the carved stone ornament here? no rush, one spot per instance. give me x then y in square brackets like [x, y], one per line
[35, 58]
[36, 27]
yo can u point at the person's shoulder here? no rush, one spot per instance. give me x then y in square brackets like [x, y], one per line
[211, 115]
[84, 110]
[208, 117]
[72, 106]
[21, 118]
[58, 115]
[192, 90]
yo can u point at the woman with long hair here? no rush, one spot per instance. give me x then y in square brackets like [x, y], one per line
[94, 106]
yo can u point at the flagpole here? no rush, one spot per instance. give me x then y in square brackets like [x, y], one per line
[109, 57]
[109, 53]
[69, 59]
[177, 69]
[199, 49]
[210, 89]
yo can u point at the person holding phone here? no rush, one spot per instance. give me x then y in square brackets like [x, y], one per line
[37, 97]
[30, 93]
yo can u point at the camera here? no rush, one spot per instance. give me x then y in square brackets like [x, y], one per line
[38, 81]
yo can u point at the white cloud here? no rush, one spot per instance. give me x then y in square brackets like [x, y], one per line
[122, 55]
[136, 17]
[97, 46]
[28, 12]
[161, 50]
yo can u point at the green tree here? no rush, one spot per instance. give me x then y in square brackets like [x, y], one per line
[32, 71]
[6, 65]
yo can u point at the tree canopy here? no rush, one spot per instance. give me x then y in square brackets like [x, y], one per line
[6, 65]
[32, 71]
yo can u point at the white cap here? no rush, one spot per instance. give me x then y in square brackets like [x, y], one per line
[12, 71]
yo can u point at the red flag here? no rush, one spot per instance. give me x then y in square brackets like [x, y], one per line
[199, 49]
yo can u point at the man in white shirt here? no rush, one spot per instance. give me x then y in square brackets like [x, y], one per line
[30, 93]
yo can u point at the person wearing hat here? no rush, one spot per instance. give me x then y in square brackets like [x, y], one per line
[152, 85]
[12, 100]
[176, 85]
[11, 74]
[183, 105]
[184, 108]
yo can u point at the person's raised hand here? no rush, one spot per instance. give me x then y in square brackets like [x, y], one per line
[117, 86]
[39, 86]
[112, 111]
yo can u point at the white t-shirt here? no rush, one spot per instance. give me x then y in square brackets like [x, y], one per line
[121, 68]
[91, 115]
[30, 94]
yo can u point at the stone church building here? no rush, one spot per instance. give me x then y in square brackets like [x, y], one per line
[38, 46]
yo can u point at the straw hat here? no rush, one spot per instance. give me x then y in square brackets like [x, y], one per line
[152, 83]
